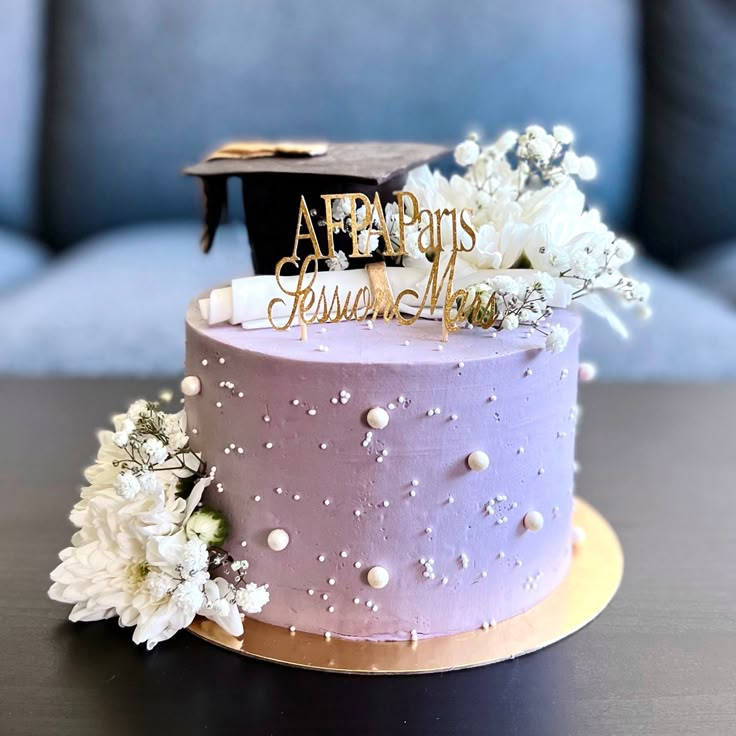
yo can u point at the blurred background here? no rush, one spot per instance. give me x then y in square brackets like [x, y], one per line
[102, 104]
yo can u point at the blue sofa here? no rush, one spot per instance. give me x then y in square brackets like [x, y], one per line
[102, 104]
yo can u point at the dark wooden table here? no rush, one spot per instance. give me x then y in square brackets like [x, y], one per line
[658, 461]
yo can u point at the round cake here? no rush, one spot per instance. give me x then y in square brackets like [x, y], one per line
[386, 485]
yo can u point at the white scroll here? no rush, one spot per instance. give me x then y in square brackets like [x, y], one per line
[246, 300]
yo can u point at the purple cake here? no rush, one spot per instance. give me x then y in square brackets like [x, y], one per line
[351, 468]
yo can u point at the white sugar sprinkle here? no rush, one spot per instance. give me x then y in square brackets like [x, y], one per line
[326, 502]
[266, 418]
[221, 361]
[356, 512]
[297, 497]
[343, 553]
[218, 404]
[323, 446]
[204, 361]
[357, 565]
[321, 558]
[312, 412]
[269, 445]
[295, 402]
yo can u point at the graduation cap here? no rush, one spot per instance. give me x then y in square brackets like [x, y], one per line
[275, 175]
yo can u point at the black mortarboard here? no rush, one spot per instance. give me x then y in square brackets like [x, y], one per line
[275, 175]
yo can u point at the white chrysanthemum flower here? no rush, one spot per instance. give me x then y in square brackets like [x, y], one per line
[467, 152]
[338, 263]
[252, 598]
[159, 584]
[557, 339]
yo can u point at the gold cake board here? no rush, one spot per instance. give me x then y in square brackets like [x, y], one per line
[595, 574]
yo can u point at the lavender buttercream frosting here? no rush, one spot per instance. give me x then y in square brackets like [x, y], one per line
[285, 423]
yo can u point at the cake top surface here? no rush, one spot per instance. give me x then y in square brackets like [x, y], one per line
[381, 342]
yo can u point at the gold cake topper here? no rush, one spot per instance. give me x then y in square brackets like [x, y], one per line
[311, 304]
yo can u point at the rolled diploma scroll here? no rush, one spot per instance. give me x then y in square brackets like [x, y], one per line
[246, 301]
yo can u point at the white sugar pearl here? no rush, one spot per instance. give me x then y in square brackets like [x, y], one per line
[191, 386]
[578, 535]
[478, 461]
[328, 635]
[218, 404]
[205, 362]
[292, 629]
[415, 483]
[356, 601]
[378, 577]
[331, 581]
[377, 418]
[343, 553]
[278, 539]
[321, 558]
[357, 565]
[533, 521]
[587, 372]
[221, 361]
[312, 412]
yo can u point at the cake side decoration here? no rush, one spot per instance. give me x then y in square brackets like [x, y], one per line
[420, 452]
[146, 550]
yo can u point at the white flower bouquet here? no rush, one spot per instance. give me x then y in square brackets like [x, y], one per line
[145, 547]
[528, 215]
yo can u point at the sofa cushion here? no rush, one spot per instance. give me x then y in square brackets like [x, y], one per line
[688, 200]
[138, 89]
[116, 304]
[20, 258]
[21, 81]
[691, 335]
[717, 271]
